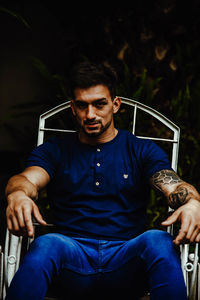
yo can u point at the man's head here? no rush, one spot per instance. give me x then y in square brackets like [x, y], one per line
[93, 101]
[85, 75]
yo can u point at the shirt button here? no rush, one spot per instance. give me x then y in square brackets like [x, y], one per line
[98, 164]
[98, 150]
[97, 183]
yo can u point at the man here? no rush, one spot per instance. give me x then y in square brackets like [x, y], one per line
[98, 182]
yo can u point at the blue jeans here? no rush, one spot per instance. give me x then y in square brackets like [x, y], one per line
[84, 265]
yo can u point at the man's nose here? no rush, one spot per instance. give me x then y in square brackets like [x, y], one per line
[90, 112]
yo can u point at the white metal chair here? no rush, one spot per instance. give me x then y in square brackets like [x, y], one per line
[10, 258]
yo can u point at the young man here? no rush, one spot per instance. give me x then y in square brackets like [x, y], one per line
[98, 182]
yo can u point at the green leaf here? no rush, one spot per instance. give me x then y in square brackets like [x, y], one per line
[15, 15]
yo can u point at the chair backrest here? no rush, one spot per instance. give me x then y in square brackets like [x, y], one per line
[136, 115]
[131, 103]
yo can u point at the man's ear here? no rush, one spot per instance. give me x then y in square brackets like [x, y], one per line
[116, 104]
[72, 107]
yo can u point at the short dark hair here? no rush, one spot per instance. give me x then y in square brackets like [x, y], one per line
[86, 74]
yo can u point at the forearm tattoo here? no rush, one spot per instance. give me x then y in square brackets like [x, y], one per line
[164, 177]
[163, 181]
[178, 197]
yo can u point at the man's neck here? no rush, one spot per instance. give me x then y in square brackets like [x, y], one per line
[101, 139]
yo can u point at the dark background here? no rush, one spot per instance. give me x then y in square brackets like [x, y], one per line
[154, 46]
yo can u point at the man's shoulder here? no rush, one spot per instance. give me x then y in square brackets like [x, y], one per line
[138, 145]
[129, 136]
[67, 138]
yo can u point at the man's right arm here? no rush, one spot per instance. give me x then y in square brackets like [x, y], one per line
[21, 191]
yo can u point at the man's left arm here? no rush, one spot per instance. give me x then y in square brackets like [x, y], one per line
[185, 199]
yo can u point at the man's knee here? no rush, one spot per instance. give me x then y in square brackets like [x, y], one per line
[48, 247]
[47, 252]
[158, 238]
[50, 242]
[159, 244]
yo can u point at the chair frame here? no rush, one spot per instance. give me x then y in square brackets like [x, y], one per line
[10, 258]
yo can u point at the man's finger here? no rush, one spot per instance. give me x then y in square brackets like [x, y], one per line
[28, 222]
[9, 224]
[20, 219]
[183, 231]
[37, 215]
[15, 224]
[194, 234]
[197, 239]
[171, 220]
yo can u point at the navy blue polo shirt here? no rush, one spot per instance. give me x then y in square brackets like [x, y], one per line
[99, 191]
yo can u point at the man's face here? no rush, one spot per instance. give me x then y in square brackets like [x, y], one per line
[94, 109]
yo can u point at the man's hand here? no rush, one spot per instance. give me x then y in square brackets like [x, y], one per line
[185, 199]
[189, 217]
[19, 213]
[20, 192]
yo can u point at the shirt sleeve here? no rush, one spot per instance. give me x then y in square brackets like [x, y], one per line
[45, 156]
[154, 159]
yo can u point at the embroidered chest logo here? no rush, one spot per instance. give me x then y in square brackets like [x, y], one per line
[125, 176]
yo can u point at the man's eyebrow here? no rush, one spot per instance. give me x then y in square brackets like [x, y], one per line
[77, 100]
[95, 100]
[101, 99]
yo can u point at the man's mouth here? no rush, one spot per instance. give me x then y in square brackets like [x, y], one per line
[94, 125]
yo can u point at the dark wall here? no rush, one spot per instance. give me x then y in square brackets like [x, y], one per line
[154, 45]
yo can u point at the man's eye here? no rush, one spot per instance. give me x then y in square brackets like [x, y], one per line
[81, 105]
[100, 104]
